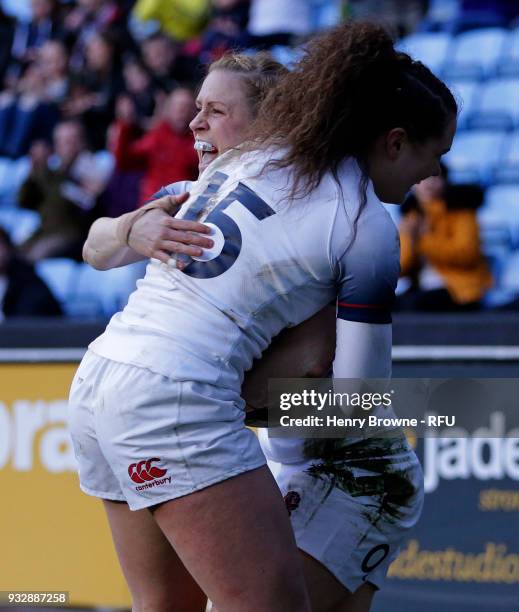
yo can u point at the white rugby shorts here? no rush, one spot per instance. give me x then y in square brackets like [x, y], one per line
[142, 438]
[351, 507]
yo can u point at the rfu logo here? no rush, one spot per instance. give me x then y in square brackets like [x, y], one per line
[144, 471]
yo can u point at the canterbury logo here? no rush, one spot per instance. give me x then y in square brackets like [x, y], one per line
[144, 471]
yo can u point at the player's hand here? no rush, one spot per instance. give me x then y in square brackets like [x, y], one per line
[158, 235]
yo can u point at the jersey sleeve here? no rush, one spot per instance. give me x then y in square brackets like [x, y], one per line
[173, 189]
[368, 270]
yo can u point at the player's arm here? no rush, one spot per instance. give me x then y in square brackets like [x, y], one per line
[363, 350]
[149, 232]
[306, 350]
[368, 273]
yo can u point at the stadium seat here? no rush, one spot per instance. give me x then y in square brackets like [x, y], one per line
[287, 56]
[509, 64]
[503, 198]
[60, 275]
[5, 164]
[466, 94]
[117, 286]
[21, 9]
[476, 53]
[325, 14]
[84, 300]
[501, 208]
[496, 246]
[507, 287]
[508, 168]
[102, 293]
[474, 156]
[510, 276]
[19, 223]
[429, 47]
[497, 105]
[12, 175]
[440, 15]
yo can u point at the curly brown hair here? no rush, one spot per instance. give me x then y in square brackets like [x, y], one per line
[350, 87]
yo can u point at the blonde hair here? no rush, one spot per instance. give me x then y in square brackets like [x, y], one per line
[260, 72]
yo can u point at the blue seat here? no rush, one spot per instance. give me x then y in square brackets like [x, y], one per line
[118, 284]
[440, 15]
[501, 208]
[508, 286]
[510, 275]
[474, 156]
[503, 198]
[287, 56]
[476, 53]
[21, 168]
[429, 47]
[5, 165]
[496, 245]
[509, 64]
[466, 94]
[12, 175]
[19, 223]
[21, 9]
[497, 105]
[84, 301]
[102, 293]
[508, 168]
[60, 275]
[325, 14]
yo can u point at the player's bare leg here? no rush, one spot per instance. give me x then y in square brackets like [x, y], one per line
[236, 540]
[329, 595]
[157, 579]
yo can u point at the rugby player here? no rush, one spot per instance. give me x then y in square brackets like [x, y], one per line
[333, 232]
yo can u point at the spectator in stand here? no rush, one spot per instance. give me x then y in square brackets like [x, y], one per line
[139, 87]
[166, 64]
[7, 29]
[180, 19]
[166, 152]
[22, 292]
[88, 18]
[30, 36]
[122, 192]
[123, 189]
[52, 63]
[96, 88]
[63, 190]
[31, 112]
[227, 29]
[441, 252]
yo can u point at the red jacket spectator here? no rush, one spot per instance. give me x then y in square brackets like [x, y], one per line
[165, 153]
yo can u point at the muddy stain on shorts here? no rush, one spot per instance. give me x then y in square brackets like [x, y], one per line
[364, 468]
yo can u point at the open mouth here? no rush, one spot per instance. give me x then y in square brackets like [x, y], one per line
[203, 145]
[206, 152]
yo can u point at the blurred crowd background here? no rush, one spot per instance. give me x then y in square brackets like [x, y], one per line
[95, 101]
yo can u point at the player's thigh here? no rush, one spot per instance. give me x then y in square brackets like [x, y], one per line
[327, 594]
[235, 539]
[155, 575]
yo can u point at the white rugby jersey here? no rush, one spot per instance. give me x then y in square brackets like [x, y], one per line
[281, 261]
